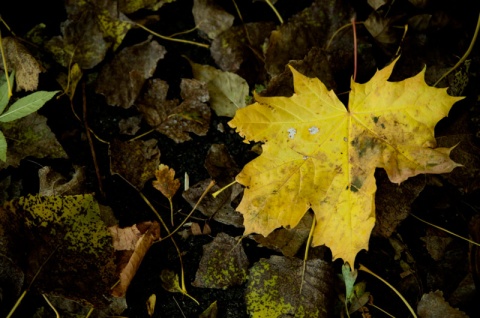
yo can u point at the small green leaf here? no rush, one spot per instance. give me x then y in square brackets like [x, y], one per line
[3, 147]
[4, 95]
[27, 105]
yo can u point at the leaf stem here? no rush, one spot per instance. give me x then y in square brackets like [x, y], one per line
[170, 38]
[363, 268]
[4, 60]
[275, 10]
[445, 230]
[464, 57]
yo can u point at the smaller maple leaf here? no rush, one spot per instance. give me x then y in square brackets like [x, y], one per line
[166, 184]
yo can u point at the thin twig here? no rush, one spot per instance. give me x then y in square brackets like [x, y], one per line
[464, 57]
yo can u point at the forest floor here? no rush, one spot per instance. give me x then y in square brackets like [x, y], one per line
[130, 100]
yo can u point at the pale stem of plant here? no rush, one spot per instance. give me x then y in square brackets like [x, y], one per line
[445, 230]
[51, 306]
[464, 57]
[307, 247]
[370, 303]
[354, 29]
[210, 185]
[170, 38]
[216, 193]
[182, 274]
[363, 268]
[90, 312]
[171, 210]
[19, 300]
[405, 29]
[5, 67]
[274, 10]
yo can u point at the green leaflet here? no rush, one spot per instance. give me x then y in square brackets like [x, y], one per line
[27, 105]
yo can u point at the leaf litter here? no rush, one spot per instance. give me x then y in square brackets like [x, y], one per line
[93, 35]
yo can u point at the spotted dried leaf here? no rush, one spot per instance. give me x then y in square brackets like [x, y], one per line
[166, 182]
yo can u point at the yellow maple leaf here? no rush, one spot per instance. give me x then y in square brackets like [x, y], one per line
[318, 154]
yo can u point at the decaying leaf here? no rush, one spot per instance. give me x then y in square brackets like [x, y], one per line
[211, 311]
[165, 181]
[130, 125]
[30, 136]
[170, 119]
[134, 160]
[210, 18]
[228, 91]
[131, 244]
[287, 241]
[219, 208]
[72, 230]
[223, 264]
[25, 65]
[54, 183]
[231, 55]
[436, 243]
[273, 288]
[129, 6]
[433, 305]
[381, 28]
[318, 154]
[129, 70]
[312, 27]
[393, 202]
[89, 31]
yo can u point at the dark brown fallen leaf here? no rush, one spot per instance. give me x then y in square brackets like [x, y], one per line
[210, 18]
[436, 242]
[30, 136]
[220, 165]
[134, 160]
[171, 119]
[433, 305]
[130, 125]
[287, 241]
[393, 202]
[89, 31]
[129, 70]
[223, 264]
[219, 208]
[312, 27]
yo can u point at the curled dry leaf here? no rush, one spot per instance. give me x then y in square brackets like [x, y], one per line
[131, 245]
[129, 70]
[171, 119]
[54, 183]
[26, 67]
[223, 264]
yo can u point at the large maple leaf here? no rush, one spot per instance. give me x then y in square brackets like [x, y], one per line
[318, 154]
